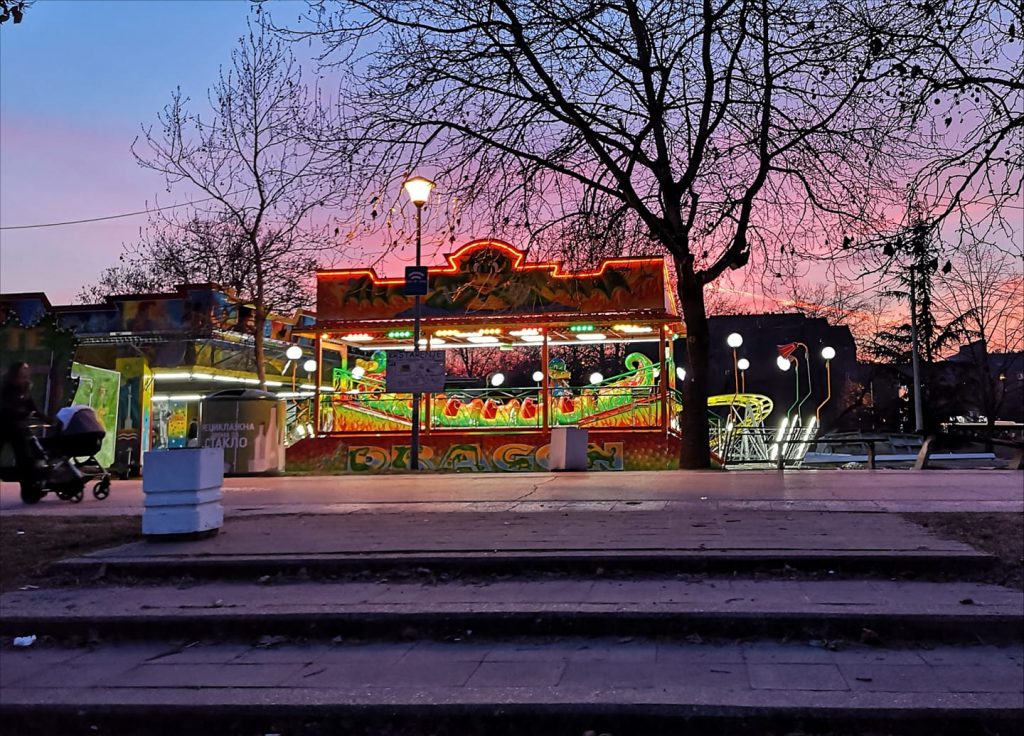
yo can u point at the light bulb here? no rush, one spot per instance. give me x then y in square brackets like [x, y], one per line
[734, 340]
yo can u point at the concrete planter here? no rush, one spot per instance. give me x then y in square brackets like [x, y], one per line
[568, 449]
[183, 492]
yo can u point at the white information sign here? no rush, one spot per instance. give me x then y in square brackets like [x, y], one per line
[412, 373]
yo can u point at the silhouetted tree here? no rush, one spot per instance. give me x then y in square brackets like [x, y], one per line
[718, 130]
[252, 162]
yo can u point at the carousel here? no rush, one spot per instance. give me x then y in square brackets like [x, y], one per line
[542, 318]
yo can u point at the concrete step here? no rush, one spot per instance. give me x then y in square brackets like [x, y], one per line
[656, 606]
[517, 543]
[618, 685]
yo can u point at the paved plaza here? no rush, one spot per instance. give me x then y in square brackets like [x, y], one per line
[804, 490]
[594, 600]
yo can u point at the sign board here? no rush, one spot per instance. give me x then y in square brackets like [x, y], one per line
[415, 372]
[415, 280]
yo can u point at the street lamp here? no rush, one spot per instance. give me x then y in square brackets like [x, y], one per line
[293, 353]
[734, 340]
[418, 189]
[596, 378]
[828, 353]
[497, 379]
[743, 364]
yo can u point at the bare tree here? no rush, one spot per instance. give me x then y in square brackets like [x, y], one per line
[14, 10]
[719, 130]
[958, 67]
[251, 161]
[198, 251]
[988, 287]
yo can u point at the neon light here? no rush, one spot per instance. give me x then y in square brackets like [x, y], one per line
[533, 339]
[399, 334]
[482, 339]
[581, 328]
[171, 376]
[591, 336]
[358, 337]
[524, 332]
[633, 329]
[518, 256]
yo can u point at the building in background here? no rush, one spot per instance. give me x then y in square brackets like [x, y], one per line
[170, 350]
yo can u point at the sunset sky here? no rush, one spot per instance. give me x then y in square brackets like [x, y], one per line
[76, 81]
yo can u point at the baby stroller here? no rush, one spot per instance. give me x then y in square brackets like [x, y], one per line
[66, 457]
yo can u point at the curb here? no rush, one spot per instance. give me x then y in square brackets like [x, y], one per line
[385, 625]
[504, 718]
[526, 563]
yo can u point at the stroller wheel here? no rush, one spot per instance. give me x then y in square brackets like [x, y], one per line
[102, 489]
[32, 491]
[77, 496]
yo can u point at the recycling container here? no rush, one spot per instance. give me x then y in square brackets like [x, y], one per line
[248, 425]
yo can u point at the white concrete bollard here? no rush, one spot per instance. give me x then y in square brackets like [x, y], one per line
[182, 492]
[568, 449]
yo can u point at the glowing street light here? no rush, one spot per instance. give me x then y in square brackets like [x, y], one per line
[497, 379]
[828, 353]
[596, 377]
[743, 364]
[309, 366]
[784, 364]
[734, 340]
[294, 354]
[418, 189]
[538, 376]
[680, 373]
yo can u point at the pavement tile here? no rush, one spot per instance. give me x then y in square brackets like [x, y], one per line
[698, 654]
[201, 654]
[300, 654]
[796, 677]
[616, 651]
[604, 675]
[871, 655]
[724, 675]
[72, 675]
[351, 674]
[892, 678]
[204, 675]
[518, 674]
[540, 652]
[775, 653]
[374, 652]
[428, 674]
[964, 656]
[426, 652]
[18, 664]
[1008, 678]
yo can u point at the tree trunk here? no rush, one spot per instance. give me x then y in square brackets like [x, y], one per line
[695, 452]
[259, 322]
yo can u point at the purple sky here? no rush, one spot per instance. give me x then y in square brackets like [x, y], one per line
[76, 81]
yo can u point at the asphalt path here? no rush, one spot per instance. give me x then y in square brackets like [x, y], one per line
[807, 490]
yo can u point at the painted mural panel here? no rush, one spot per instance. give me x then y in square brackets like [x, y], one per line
[100, 389]
[491, 277]
[478, 453]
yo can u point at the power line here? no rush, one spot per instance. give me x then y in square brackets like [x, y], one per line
[117, 217]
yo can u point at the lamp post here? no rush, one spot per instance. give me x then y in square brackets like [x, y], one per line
[743, 364]
[734, 340]
[828, 353]
[293, 353]
[418, 189]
